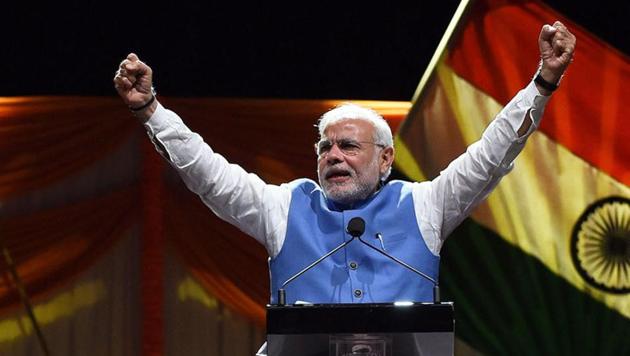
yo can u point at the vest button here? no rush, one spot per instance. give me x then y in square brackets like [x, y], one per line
[353, 265]
[358, 293]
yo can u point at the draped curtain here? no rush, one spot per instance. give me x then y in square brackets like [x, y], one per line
[77, 176]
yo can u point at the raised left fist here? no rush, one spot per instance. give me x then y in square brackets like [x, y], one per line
[556, 46]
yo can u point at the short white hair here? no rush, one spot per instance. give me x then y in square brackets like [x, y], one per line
[348, 111]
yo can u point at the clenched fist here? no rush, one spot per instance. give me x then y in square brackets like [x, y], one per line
[556, 46]
[133, 82]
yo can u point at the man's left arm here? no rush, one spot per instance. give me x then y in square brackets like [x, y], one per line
[442, 204]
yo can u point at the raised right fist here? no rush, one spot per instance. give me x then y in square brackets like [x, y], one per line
[133, 82]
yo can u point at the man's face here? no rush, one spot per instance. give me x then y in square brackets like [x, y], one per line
[346, 173]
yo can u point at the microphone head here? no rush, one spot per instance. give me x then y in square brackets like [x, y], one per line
[356, 227]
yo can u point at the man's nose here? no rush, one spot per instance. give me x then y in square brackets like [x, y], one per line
[335, 154]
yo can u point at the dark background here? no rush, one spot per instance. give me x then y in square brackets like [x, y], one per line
[346, 50]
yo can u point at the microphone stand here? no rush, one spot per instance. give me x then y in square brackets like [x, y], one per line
[282, 292]
[436, 287]
[356, 228]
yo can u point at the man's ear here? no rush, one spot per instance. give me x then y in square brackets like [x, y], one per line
[386, 158]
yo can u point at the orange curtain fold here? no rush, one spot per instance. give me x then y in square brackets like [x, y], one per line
[231, 265]
[45, 139]
[152, 251]
[51, 247]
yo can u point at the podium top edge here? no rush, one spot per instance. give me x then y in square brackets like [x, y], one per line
[363, 305]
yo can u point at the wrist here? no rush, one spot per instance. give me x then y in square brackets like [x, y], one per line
[546, 80]
[147, 109]
[145, 114]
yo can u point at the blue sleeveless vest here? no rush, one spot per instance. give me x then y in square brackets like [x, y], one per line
[356, 274]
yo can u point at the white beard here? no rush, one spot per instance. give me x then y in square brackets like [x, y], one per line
[358, 188]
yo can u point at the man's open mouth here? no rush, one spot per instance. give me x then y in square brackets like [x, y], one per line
[337, 175]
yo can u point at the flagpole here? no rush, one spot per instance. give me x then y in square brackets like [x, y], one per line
[24, 297]
[440, 50]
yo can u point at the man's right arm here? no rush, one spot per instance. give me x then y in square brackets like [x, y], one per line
[238, 197]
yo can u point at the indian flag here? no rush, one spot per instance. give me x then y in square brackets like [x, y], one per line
[543, 266]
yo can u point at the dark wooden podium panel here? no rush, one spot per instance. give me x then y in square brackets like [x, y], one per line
[374, 329]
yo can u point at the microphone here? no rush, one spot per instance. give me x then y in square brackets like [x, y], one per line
[356, 228]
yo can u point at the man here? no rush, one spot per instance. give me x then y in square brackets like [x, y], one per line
[300, 221]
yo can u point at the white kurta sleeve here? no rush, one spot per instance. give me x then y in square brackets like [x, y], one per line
[444, 202]
[240, 198]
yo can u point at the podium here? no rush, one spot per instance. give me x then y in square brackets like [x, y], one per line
[400, 329]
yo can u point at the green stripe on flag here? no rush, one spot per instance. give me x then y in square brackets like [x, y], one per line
[509, 303]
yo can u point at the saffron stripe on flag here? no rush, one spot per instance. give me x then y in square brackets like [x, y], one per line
[497, 52]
